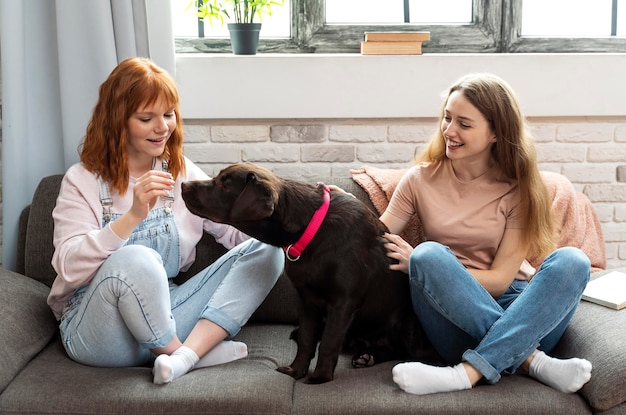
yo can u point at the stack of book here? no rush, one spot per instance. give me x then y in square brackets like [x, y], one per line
[393, 43]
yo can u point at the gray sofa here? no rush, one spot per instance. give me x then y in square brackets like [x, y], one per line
[37, 377]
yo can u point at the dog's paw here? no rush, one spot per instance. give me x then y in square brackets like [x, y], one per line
[362, 360]
[294, 334]
[318, 379]
[288, 370]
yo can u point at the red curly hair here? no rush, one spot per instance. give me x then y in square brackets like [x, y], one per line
[134, 83]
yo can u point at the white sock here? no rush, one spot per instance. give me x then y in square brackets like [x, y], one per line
[566, 375]
[168, 368]
[421, 379]
[223, 352]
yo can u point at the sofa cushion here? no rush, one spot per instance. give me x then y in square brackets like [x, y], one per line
[372, 391]
[596, 333]
[38, 246]
[26, 324]
[54, 384]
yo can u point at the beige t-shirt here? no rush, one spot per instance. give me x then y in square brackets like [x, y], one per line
[469, 217]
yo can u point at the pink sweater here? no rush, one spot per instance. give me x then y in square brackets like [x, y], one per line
[82, 245]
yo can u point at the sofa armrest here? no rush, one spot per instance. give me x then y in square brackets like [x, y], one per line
[26, 324]
[596, 333]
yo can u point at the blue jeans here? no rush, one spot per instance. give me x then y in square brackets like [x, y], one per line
[464, 322]
[130, 306]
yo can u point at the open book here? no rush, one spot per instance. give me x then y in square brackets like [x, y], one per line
[608, 290]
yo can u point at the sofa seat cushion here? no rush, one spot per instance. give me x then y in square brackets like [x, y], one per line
[54, 384]
[372, 391]
[596, 333]
[26, 323]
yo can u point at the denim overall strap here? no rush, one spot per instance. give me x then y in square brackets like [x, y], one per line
[106, 200]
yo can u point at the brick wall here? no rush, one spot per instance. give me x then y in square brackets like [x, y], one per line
[590, 151]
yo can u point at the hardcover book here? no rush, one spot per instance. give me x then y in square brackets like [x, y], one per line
[391, 48]
[608, 290]
[397, 36]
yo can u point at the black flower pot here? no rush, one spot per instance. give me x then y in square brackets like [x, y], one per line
[244, 37]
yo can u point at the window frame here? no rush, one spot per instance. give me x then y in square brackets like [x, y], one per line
[496, 29]
[514, 42]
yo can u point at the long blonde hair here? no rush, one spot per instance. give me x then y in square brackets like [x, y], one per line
[134, 82]
[514, 153]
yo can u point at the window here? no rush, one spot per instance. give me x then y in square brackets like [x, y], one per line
[456, 26]
[398, 11]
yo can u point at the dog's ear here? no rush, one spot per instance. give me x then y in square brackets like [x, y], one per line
[256, 201]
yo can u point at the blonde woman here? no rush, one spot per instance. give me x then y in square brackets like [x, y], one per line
[479, 195]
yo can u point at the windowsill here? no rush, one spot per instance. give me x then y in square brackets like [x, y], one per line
[287, 86]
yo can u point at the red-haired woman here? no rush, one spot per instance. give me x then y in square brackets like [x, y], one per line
[122, 232]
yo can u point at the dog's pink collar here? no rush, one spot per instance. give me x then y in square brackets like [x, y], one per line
[294, 251]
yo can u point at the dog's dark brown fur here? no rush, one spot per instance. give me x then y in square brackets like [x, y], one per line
[349, 297]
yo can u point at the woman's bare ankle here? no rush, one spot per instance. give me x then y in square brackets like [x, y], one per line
[472, 373]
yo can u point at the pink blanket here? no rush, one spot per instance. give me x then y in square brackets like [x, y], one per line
[576, 219]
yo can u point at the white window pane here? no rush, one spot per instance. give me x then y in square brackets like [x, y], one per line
[185, 23]
[578, 18]
[621, 18]
[392, 11]
[440, 11]
[364, 11]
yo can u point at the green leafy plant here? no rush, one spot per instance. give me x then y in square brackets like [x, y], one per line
[235, 11]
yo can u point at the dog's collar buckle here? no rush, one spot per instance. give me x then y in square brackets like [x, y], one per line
[294, 251]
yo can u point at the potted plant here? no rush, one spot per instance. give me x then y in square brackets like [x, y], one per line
[240, 16]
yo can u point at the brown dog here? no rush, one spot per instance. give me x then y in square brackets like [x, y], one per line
[349, 297]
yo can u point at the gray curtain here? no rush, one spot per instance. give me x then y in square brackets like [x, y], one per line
[54, 55]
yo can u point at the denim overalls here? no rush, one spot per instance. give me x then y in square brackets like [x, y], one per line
[157, 232]
[132, 306]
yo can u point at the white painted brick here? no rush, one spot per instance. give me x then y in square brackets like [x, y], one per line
[585, 132]
[308, 171]
[271, 153]
[239, 133]
[607, 153]
[212, 169]
[615, 264]
[212, 153]
[620, 212]
[358, 133]
[390, 154]
[614, 232]
[621, 251]
[298, 133]
[611, 250]
[196, 133]
[560, 153]
[606, 192]
[620, 133]
[589, 173]
[554, 167]
[542, 132]
[412, 133]
[328, 153]
[605, 211]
